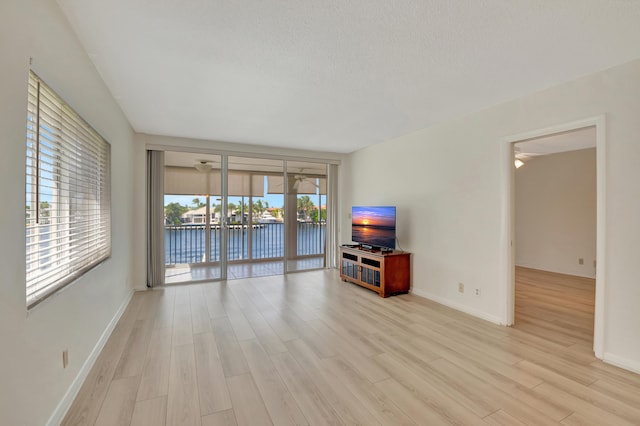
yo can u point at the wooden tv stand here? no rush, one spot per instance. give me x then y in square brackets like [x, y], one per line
[386, 273]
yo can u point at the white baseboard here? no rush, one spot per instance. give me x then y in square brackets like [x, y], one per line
[618, 361]
[568, 271]
[64, 405]
[458, 307]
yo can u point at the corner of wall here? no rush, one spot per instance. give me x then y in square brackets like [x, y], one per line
[627, 364]
[459, 307]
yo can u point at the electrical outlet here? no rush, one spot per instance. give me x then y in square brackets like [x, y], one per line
[477, 292]
[580, 261]
[65, 358]
[460, 287]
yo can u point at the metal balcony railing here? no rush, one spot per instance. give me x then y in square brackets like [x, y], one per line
[186, 244]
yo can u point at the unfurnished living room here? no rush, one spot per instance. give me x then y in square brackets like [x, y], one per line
[297, 212]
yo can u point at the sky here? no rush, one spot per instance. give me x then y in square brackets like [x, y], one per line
[374, 216]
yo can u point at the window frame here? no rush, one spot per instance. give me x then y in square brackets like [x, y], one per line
[67, 194]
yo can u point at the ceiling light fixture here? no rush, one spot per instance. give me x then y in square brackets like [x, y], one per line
[518, 162]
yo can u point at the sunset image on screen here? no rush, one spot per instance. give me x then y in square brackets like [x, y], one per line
[378, 217]
[374, 226]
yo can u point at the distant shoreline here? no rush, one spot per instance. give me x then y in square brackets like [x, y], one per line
[373, 226]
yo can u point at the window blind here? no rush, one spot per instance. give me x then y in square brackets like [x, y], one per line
[68, 205]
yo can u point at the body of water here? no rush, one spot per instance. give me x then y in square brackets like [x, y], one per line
[374, 235]
[187, 244]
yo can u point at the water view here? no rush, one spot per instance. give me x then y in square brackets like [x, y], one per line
[374, 235]
[187, 243]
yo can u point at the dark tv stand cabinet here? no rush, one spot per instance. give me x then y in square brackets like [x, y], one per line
[386, 273]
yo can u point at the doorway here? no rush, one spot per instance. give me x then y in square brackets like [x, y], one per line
[509, 246]
[555, 236]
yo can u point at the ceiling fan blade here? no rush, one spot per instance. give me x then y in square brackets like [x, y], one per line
[203, 166]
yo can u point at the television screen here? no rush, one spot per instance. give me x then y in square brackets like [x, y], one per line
[374, 226]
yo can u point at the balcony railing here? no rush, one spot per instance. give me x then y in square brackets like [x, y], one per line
[186, 244]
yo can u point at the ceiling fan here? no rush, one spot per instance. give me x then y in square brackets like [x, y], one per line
[203, 166]
[300, 178]
[520, 157]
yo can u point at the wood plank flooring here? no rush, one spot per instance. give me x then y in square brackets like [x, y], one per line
[309, 349]
[555, 307]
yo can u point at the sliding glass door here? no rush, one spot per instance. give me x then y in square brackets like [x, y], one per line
[193, 229]
[238, 217]
[255, 237]
[306, 212]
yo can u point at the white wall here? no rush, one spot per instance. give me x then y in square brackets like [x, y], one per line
[555, 213]
[447, 183]
[32, 380]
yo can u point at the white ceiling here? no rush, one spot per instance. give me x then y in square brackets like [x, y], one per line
[337, 75]
[573, 140]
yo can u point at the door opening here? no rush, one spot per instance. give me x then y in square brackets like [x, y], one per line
[509, 225]
[555, 236]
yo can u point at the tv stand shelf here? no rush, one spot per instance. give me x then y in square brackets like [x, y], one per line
[387, 273]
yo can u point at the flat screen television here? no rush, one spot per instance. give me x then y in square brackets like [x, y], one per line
[374, 226]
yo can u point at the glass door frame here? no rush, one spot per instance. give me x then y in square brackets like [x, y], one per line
[224, 219]
[224, 234]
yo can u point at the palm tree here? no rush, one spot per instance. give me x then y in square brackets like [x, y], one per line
[259, 207]
[305, 204]
[323, 215]
[233, 210]
[278, 213]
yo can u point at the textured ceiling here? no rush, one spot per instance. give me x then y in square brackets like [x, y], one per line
[339, 75]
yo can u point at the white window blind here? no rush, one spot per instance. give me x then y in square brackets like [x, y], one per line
[68, 217]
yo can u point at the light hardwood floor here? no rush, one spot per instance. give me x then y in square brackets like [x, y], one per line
[309, 349]
[182, 274]
[555, 306]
